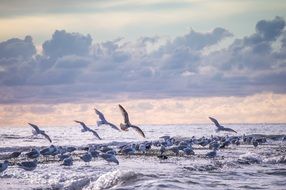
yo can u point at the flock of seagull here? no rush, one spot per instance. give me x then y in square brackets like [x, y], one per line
[102, 121]
[165, 144]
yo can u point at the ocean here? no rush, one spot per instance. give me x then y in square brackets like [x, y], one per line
[235, 167]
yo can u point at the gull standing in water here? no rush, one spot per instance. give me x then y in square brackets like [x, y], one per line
[127, 123]
[109, 158]
[67, 161]
[85, 128]
[103, 121]
[38, 131]
[35, 153]
[220, 127]
[28, 166]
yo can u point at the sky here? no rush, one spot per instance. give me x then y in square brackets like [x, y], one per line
[166, 62]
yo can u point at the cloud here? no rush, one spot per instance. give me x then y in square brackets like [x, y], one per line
[16, 61]
[72, 69]
[15, 48]
[197, 41]
[63, 43]
[270, 30]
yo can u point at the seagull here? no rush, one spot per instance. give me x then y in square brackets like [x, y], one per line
[48, 151]
[28, 166]
[162, 157]
[103, 121]
[189, 151]
[87, 157]
[4, 166]
[127, 123]
[85, 128]
[220, 127]
[128, 149]
[38, 131]
[255, 142]
[212, 154]
[35, 153]
[162, 149]
[67, 161]
[109, 158]
[15, 154]
[63, 156]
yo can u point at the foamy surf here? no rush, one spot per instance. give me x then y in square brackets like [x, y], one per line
[111, 179]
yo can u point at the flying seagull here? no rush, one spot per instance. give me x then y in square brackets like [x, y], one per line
[127, 123]
[38, 131]
[103, 121]
[220, 127]
[85, 129]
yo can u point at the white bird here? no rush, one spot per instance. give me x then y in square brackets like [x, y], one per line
[85, 129]
[103, 121]
[38, 131]
[127, 123]
[220, 127]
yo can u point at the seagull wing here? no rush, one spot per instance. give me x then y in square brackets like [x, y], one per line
[229, 129]
[138, 130]
[95, 133]
[35, 127]
[47, 137]
[113, 126]
[125, 114]
[82, 124]
[100, 115]
[215, 122]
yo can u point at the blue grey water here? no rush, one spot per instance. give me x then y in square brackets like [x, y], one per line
[266, 168]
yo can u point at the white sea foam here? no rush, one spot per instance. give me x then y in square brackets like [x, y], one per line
[251, 157]
[110, 179]
[274, 160]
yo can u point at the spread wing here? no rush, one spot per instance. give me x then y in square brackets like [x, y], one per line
[215, 122]
[100, 115]
[47, 137]
[113, 126]
[124, 114]
[95, 134]
[229, 129]
[82, 124]
[138, 130]
[35, 127]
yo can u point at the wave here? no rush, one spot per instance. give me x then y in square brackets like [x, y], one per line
[275, 160]
[75, 185]
[250, 158]
[113, 178]
[214, 165]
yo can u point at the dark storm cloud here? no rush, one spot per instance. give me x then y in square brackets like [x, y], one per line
[72, 69]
